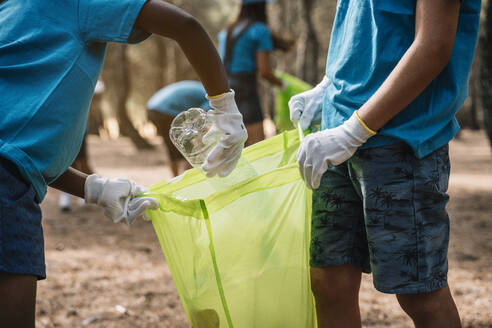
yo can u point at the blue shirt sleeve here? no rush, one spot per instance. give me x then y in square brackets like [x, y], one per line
[110, 21]
[263, 37]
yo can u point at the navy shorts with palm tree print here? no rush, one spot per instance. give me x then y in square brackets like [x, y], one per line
[384, 211]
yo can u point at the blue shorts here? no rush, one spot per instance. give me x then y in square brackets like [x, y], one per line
[384, 211]
[21, 234]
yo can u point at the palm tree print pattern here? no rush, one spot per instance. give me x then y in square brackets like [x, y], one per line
[384, 210]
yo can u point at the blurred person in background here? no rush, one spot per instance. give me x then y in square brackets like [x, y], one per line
[166, 104]
[245, 48]
[81, 162]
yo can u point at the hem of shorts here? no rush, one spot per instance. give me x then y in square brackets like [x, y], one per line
[39, 272]
[416, 288]
[338, 262]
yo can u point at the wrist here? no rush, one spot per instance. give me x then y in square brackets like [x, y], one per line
[283, 85]
[217, 96]
[222, 102]
[356, 131]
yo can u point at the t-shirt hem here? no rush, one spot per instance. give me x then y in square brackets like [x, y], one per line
[420, 151]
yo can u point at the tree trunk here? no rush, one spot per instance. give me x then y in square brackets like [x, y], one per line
[162, 61]
[171, 63]
[308, 51]
[126, 126]
[468, 114]
[474, 94]
[486, 71]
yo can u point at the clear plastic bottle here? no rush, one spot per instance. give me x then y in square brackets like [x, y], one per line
[194, 135]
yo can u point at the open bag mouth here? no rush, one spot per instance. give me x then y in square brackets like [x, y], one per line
[238, 247]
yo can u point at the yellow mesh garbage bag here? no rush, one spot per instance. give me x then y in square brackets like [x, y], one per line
[238, 247]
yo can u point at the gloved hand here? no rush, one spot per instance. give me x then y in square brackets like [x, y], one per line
[305, 108]
[117, 198]
[283, 87]
[333, 146]
[224, 156]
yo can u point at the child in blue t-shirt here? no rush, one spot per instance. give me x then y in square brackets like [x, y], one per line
[51, 55]
[396, 74]
[245, 47]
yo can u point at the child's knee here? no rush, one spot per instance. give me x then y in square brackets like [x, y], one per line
[334, 285]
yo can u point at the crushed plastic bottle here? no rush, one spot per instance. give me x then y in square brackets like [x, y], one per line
[194, 135]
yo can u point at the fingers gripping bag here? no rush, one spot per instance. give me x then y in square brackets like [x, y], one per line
[293, 87]
[238, 247]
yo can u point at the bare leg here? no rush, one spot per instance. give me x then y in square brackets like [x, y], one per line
[434, 309]
[255, 133]
[163, 124]
[336, 291]
[18, 300]
[175, 167]
[183, 166]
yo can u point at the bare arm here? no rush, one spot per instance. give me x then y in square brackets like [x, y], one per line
[263, 63]
[71, 181]
[161, 18]
[164, 19]
[436, 22]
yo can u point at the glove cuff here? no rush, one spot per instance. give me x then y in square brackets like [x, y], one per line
[93, 188]
[364, 125]
[224, 102]
[324, 83]
[358, 129]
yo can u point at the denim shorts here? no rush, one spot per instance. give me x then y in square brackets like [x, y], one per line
[384, 210]
[21, 233]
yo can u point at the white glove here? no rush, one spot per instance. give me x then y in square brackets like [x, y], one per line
[305, 108]
[117, 197]
[224, 156]
[333, 146]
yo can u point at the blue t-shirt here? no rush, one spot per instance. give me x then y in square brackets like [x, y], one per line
[368, 39]
[178, 97]
[51, 55]
[256, 38]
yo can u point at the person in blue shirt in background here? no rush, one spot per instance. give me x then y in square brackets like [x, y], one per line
[166, 104]
[396, 74]
[51, 55]
[245, 48]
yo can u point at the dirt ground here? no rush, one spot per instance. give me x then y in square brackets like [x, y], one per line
[106, 275]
